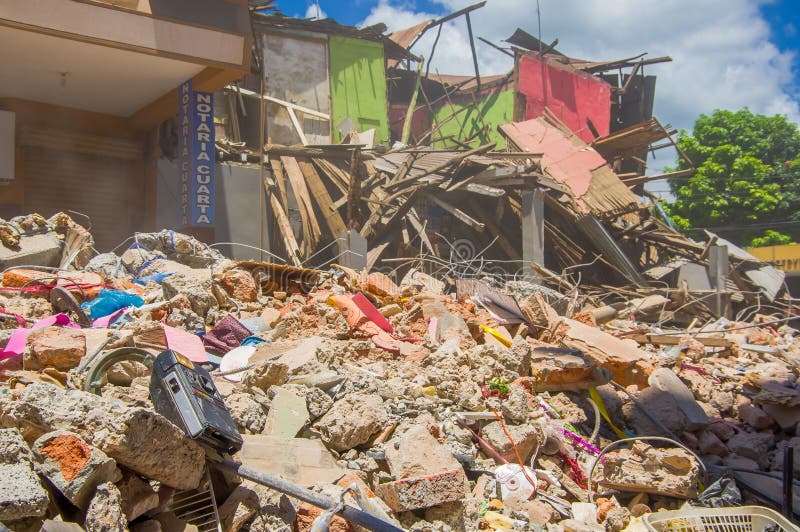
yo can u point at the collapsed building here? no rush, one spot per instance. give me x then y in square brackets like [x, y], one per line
[444, 300]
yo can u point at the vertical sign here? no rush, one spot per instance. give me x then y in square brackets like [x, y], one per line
[196, 156]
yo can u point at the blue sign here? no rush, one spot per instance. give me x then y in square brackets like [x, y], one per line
[196, 156]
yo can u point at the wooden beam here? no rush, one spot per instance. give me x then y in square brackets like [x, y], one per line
[303, 197]
[211, 79]
[323, 199]
[662, 339]
[284, 226]
[474, 53]
[458, 213]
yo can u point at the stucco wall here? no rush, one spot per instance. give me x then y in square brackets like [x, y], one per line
[492, 110]
[358, 85]
[573, 96]
[297, 72]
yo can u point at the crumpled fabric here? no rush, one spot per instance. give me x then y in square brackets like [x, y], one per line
[226, 335]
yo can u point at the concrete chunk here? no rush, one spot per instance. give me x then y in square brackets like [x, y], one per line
[423, 492]
[21, 493]
[58, 347]
[136, 438]
[415, 453]
[670, 472]
[353, 421]
[526, 438]
[72, 466]
[105, 511]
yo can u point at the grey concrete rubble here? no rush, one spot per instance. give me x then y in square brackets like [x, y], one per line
[136, 438]
[21, 492]
[427, 425]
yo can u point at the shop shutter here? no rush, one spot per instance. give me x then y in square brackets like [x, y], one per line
[103, 188]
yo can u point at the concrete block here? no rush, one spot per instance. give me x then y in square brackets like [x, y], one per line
[353, 421]
[287, 415]
[423, 492]
[33, 250]
[416, 453]
[72, 466]
[21, 493]
[525, 436]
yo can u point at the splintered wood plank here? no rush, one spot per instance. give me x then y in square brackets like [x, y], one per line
[323, 199]
[413, 217]
[280, 180]
[337, 176]
[303, 197]
[284, 226]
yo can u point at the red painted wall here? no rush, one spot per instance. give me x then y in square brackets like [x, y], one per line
[420, 122]
[573, 97]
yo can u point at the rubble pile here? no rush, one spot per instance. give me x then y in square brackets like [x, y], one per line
[438, 404]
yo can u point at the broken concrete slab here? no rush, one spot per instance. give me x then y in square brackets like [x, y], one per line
[72, 466]
[287, 415]
[415, 452]
[627, 363]
[665, 380]
[295, 354]
[299, 460]
[136, 438]
[21, 493]
[423, 492]
[42, 249]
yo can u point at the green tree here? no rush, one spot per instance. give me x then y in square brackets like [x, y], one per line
[770, 238]
[746, 179]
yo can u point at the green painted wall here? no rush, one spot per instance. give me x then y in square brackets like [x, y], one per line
[358, 86]
[491, 111]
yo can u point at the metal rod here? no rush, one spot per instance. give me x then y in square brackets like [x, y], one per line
[788, 470]
[358, 517]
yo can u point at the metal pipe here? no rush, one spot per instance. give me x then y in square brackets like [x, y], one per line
[358, 517]
[788, 469]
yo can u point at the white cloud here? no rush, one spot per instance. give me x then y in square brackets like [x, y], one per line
[722, 52]
[314, 11]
